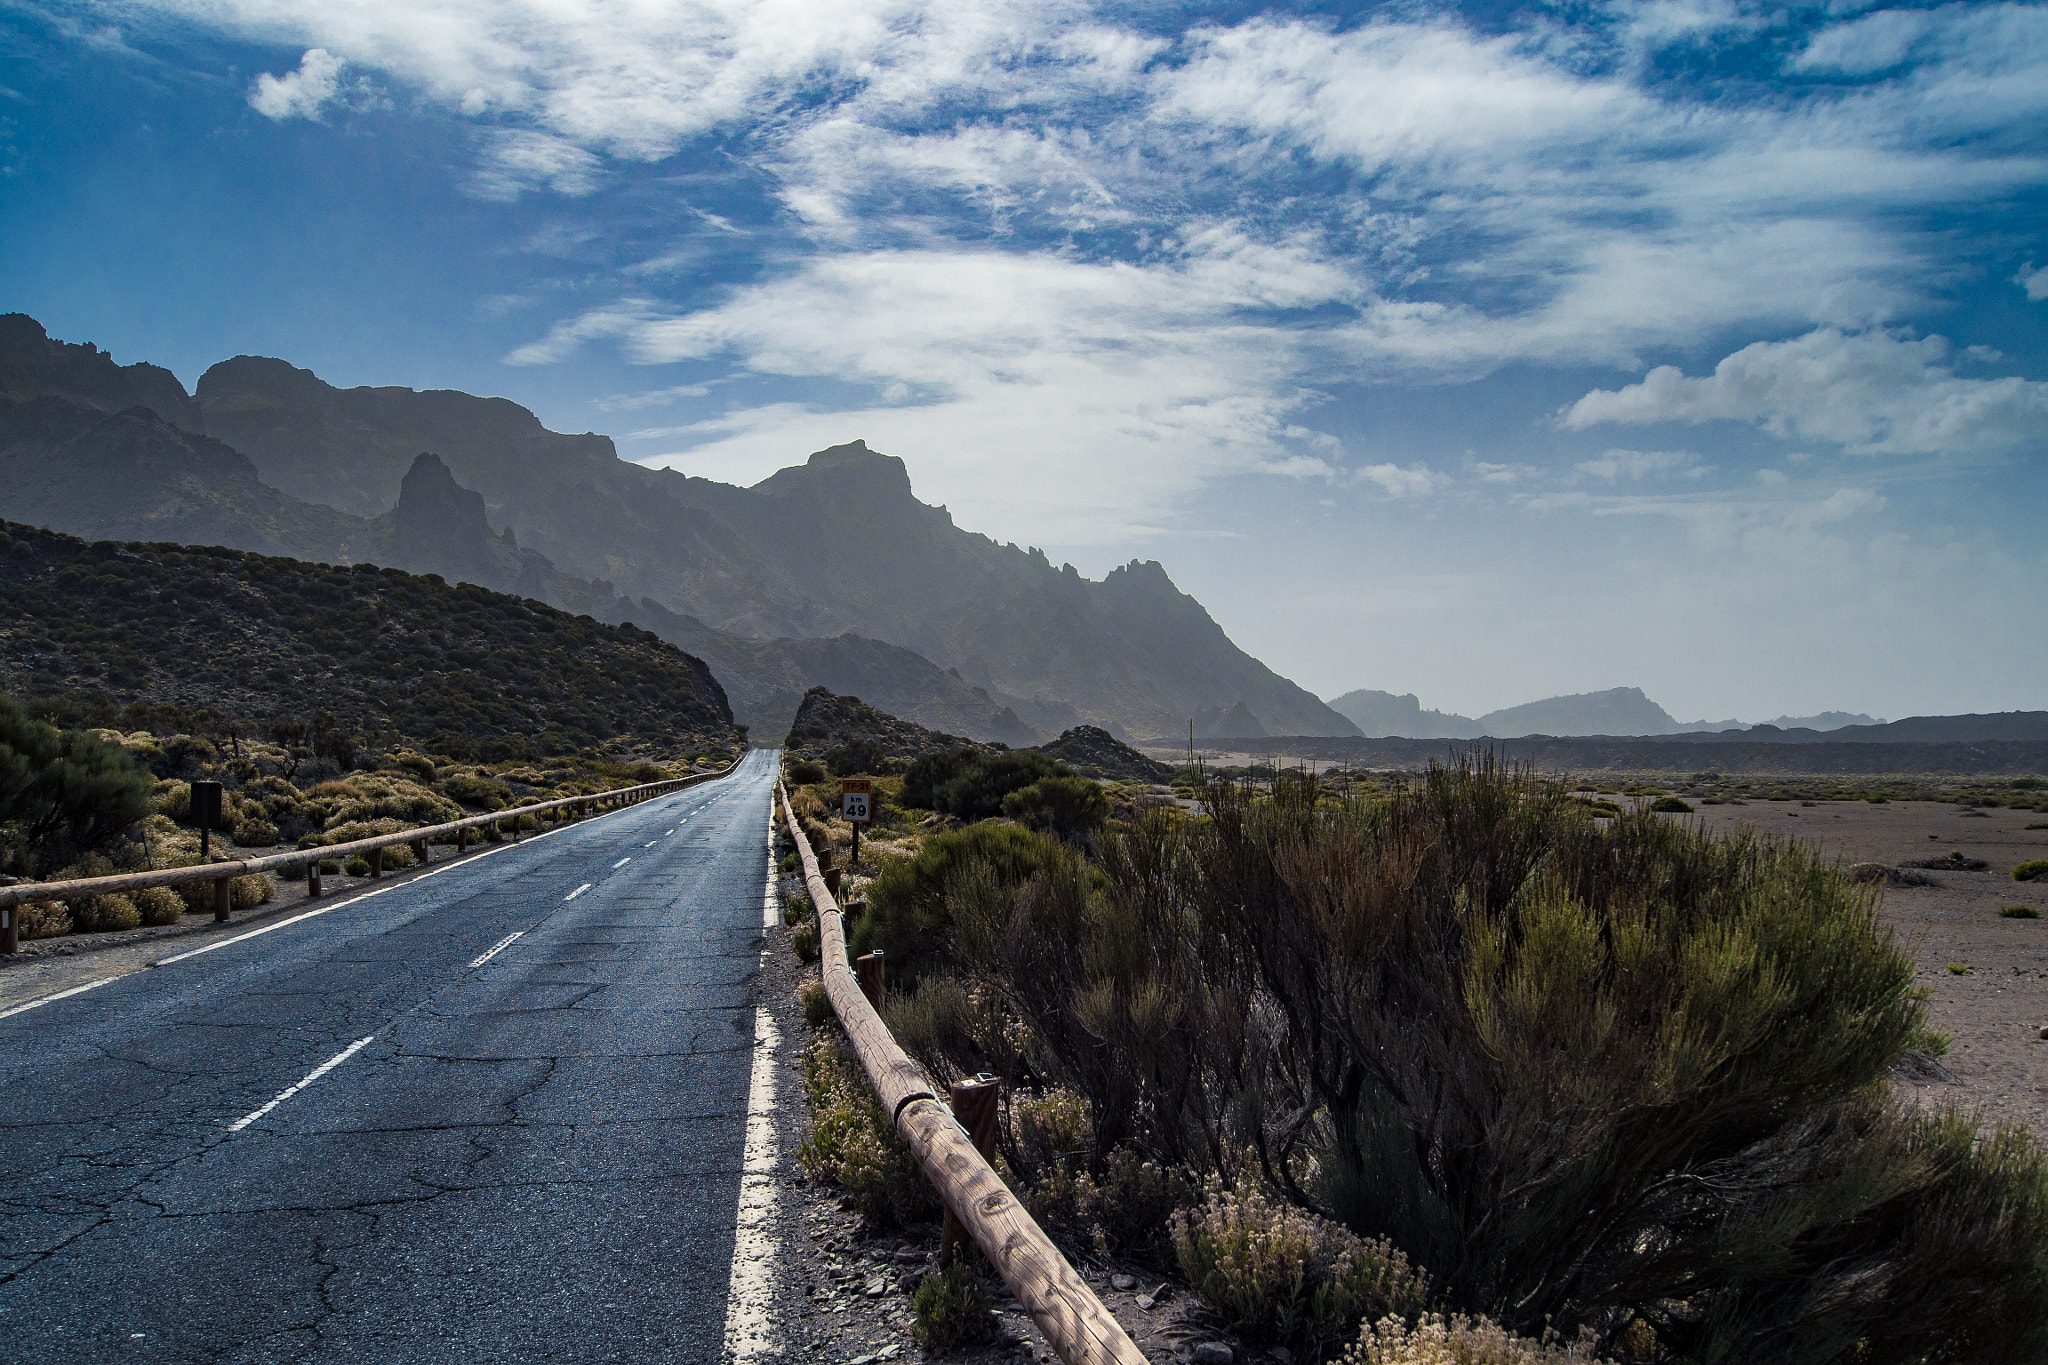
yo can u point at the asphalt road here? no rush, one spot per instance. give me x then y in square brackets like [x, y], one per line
[523, 1148]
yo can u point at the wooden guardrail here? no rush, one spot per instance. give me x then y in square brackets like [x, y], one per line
[1058, 1299]
[308, 860]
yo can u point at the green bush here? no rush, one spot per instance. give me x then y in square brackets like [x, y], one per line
[804, 941]
[1128, 1209]
[479, 793]
[803, 772]
[798, 908]
[816, 1002]
[1671, 805]
[856, 756]
[952, 1308]
[358, 866]
[912, 902]
[99, 914]
[246, 893]
[159, 905]
[1067, 807]
[255, 833]
[2030, 869]
[64, 792]
[1287, 1277]
[2018, 912]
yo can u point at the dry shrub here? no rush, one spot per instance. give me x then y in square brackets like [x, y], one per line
[246, 893]
[1437, 1340]
[817, 1004]
[159, 905]
[1127, 1210]
[952, 1308]
[851, 1143]
[100, 914]
[804, 940]
[255, 833]
[42, 919]
[1286, 1276]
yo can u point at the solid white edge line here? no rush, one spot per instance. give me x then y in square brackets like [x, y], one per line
[622, 862]
[577, 892]
[500, 946]
[750, 1296]
[311, 1076]
[60, 995]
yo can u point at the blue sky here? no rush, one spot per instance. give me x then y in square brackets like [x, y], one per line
[1483, 352]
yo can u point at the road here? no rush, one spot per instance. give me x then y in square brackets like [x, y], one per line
[526, 1143]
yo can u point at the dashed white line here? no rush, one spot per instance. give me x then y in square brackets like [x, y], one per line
[59, 995]
[577, 892]
[311, 1076]
[500, 946]
[622, 862]
[650, 843]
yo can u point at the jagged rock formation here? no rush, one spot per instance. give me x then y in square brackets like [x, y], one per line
[34, 366]
[1235, 722]
[1094, 752]
[825, 721]
[1381, 714]
[253, 639]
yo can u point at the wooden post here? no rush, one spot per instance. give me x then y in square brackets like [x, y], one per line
[832, 880]
[223, 898]
[872, 981]
[976, 1104]
[419, 850]
[376, 862]
[462, 839]
[855, 909]
[313, 880]
[10, 931]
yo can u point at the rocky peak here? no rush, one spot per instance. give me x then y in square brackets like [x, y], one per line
[32, 365]
[441, 526]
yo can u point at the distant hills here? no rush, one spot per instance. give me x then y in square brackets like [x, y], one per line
[826, 572]
[126, 629]
[1617, 711]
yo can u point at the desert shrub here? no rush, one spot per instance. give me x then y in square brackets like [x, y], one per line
[803, 772]
[42, 919]
[479, 793]
[1671, 805]
[95, 914]
[1128, 1209]
[977, 790]
[1434, 1339]
[798, 908]
[246, 893]
[1050, 1126]
[1067, 807]
[330, 868]
[159, 905]
[804, 941]
[817, 1004]
[856, 756]
[951, 1308]
[1286, 1276]
[358, 866]
[397, 856]
[2018, 912]
[851, 1143]
[912, 902]
[787, 863]
[2030, 869]
[417, 765]
[255, 833]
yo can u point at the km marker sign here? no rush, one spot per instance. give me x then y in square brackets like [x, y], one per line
[856, 795]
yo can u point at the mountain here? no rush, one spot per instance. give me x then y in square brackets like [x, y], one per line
[1095, 752]
[1617, 711]
[1826, 720]
[834, 546]
[825, 721]
[257, 640]
[1383, 714]
[834, 562]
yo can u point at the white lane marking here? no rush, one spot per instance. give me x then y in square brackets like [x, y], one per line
[577, 892]
[622, 862]
[311, 1076]
[500, 946]
[666, 835]
[259, 933]
[650, 843]
[59, 995]
[749, 1331]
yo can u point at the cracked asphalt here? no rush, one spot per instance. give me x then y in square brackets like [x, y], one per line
[533, 1159]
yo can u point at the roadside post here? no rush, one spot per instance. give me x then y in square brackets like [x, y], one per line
[856, 800]
[205, 813]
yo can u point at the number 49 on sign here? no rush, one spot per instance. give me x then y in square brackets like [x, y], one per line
[855, 796]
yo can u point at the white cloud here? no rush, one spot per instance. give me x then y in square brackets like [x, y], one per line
[2035, 282]
[302, 93]
[1413, 482]
[517, 160]
[1877, 392]
[1638, 464]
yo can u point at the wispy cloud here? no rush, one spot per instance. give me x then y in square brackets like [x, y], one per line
[302, 93]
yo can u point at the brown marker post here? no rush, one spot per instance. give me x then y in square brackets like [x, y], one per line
[975, 1106]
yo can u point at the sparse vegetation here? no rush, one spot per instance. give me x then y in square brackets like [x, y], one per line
[2030, 869]
[2018, 912]
[1671, 805]
[851, 1143]
[952, 1308]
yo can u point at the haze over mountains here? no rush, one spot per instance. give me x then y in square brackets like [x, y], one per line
[830, 572]
[1616, 711]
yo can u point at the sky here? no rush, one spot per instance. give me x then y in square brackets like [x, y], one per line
[1484, 352]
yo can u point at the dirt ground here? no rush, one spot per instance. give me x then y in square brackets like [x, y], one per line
[1993, 1010]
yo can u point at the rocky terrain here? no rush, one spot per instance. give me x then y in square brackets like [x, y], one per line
[1094, 752]
[825, 721]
